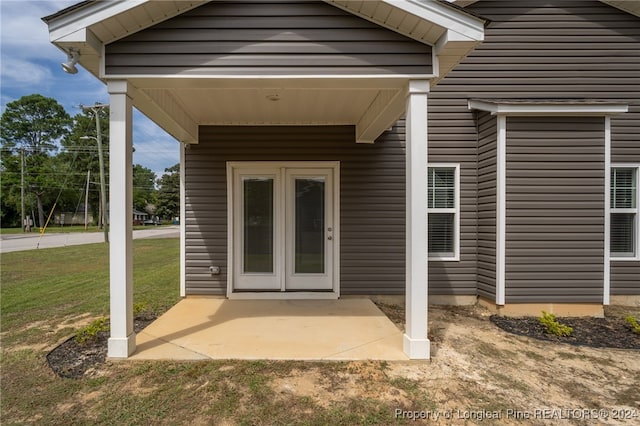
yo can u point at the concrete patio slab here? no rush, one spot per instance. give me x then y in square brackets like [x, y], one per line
[213, 328]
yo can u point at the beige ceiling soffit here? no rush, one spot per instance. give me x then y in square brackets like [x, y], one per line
[159, 105]
[101, 11]
[629, 6]
[434, 12]
[383, 112]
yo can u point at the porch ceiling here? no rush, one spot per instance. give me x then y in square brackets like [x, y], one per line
[372, 105]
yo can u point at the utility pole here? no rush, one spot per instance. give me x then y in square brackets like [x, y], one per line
[24, 225]
[103, 193]
[86, 202]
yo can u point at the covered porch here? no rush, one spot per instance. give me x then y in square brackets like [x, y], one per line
[217, 328]
[331, 63]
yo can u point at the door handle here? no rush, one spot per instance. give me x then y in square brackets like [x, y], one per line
[329, 238]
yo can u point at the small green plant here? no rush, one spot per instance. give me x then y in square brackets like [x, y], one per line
[553, 326]
[139, 308]
[90, 332]
[635, 327]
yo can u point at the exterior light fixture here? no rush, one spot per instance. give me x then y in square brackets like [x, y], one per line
[72, 59]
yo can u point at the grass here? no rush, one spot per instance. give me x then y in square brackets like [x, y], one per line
[53, 285]
[50, 294]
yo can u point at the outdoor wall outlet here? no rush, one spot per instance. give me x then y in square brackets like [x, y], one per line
[215, 270]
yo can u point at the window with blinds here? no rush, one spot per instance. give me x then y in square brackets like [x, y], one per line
[624, 211]
[442, 211]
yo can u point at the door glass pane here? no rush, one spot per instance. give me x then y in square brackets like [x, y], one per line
[309, 225]
[257, 224]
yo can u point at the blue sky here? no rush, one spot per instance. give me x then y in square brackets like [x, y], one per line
[29, 63]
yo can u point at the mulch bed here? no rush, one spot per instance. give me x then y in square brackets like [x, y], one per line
[72, 360]
[593, 332]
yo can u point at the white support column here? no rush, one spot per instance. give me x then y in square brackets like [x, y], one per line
[415, 343]
[501, 210]
[183, 226]
[606, 297]
[122, 342]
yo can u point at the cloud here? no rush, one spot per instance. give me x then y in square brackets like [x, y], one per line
[29, 64]
[24, 35]
[19, 72]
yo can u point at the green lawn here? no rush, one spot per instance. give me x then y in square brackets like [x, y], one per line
[48, 295]
[58, 285]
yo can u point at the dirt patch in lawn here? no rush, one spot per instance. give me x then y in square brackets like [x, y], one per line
[478, 371]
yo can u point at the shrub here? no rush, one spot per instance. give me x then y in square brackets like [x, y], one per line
[90, 332]
[552, 326]
[139, 308]
[635, 327]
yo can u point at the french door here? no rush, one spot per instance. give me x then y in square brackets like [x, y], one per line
[283, 230]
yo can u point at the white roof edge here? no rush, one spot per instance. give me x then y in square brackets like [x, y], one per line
[98, 11]
[550, 107]
[440, 14]
[84, 17]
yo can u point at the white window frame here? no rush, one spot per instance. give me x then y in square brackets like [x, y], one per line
[636, 211]
[455, 210]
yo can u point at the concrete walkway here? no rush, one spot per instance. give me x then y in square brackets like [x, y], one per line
[32, 241]
[212, 328]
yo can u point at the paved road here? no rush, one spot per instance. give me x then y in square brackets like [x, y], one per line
[19, 242]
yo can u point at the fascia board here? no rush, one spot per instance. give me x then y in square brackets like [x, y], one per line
[443, 16]
[87, 16]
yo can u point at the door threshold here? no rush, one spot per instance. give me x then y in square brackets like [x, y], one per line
[284, 295]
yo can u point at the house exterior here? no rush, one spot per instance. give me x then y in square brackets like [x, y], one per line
[139, 217]
[445, 152]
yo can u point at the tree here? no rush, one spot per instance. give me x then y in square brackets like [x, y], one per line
[81, 150]
[144, 180]
[32, 125]
[168, 196]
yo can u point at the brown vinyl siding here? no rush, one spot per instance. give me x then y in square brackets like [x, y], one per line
[487, 171]
[275, 38]
[625, 275]
[546, 49]
[372, 200]
[555, 209]
[625, 278]
[453, 139]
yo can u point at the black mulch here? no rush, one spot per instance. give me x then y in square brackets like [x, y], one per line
[72, 360]
[593, 332]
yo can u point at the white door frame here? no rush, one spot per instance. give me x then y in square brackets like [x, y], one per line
[251, 167]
